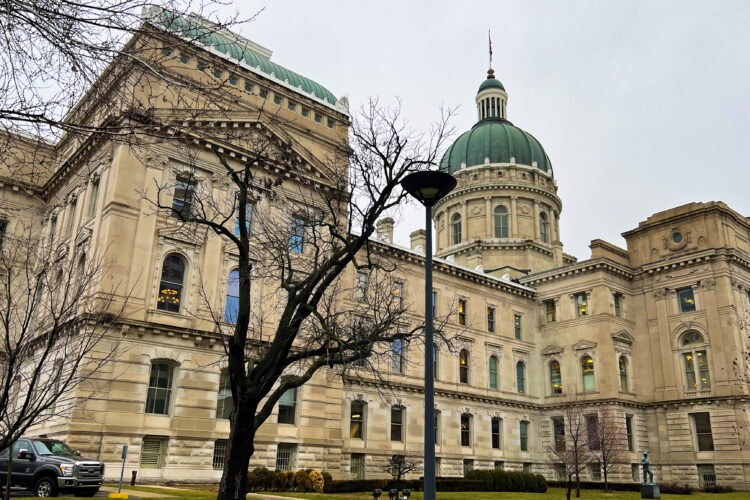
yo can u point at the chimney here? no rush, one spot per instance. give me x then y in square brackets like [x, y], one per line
[418, 240]
[385, 230]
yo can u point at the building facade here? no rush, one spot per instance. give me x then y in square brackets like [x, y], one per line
[655, 334]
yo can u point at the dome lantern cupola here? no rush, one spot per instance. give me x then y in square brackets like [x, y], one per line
[491, 98]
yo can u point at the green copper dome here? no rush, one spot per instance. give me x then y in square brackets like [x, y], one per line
[491, 83]
[498, 140]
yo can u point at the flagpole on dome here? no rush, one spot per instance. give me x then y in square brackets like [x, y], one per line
[489, 36]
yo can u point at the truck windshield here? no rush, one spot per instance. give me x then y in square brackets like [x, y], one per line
[52, 447]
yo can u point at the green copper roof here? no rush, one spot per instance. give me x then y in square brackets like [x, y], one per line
[491, 83]
[209, 38]
[498, 140]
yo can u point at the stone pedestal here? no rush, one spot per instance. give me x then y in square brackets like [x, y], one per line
[650, 491]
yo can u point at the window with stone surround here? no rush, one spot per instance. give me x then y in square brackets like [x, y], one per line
[618, 303]
[595, 471]
[686, 299]
[465, 429]
[397, 423]
[152, 452]
[456, 228]
[357, 466]
[517, 325]
[224, 403]
[622, 365]
[523, 428]
[558, 426]
[468, 465]
[706, 475]
[500, 215]
[462, 312]
[491, 319]
[159, 388]
[581, 301]
[172, 281]
[550, 311]
[555, 377]
[543, 228]
[520, 377]
[463, 366]
[695, 361]
[288, 407]
[629, 431]
[220, 454]
[357, 420]
[493, 372]
[704, 438]
[397, 355]
[285, 455]
[496, 430]
[587, 373]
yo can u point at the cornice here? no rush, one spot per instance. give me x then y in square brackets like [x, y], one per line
[584, 267]
[495, 187]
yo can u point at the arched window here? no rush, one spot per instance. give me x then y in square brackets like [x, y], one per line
[587, 370]
[170, 288]
[520, 377]
[501, 221]
[623, 364]
[695, 361]
[456, 228]
[159, 388]
[232, 306]
[463, 366]
[555, 377]
[543, 228]
[493, 372]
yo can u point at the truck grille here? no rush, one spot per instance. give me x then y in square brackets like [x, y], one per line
[89, 470]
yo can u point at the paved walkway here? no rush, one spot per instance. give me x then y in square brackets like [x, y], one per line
[269, 497]
[132, 493]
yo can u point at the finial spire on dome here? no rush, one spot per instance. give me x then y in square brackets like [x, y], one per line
[490, 74]
[489, 36]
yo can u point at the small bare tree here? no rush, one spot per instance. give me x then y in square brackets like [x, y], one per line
[571, 448]
[53, 315]
[400, 465]
[608, 442]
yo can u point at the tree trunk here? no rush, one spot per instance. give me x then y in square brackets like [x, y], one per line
[233, 485]
[578, 484]
[568, 486]
[6, 496]
[606, 484]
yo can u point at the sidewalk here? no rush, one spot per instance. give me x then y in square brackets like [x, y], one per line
[269, 497]
[134, 493]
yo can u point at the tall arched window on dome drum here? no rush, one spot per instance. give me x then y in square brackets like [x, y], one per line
[587, 372]
[695, 360]
[170, 287]
[463, 366]
[500, 215]
[520, 377]
[232, 306]
[543, 228]
[623, 365]
[555, 377]
[493, 372]
[456, 228]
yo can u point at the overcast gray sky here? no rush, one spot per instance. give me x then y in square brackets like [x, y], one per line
[641, 106]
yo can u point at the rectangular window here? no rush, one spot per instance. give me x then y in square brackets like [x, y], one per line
[524, 433]
[248, 219]
[52, 229]
[635, 472]
[465, 430]
[361, 291]
[581, 304]
[305, 111]
[398, 296]
[152, 452]
[248, 86]
[549, 307]
[220, 454]
[397, 352]
[397, 415]
[686, 299]
[592, 431]
[288, 407]
[499, 465]
[437, 427]
[560, 472]
[702, 426]
[357, 466]
[558, 424]
[702, 360]
[496, 441]
[292, 106]
[276, 99]
[3, 229]
[517, 325]
[596, 471]
[357, 420]
[297, 239]
[629, 431]
[159, 389]
[434, 304]
[437, 466]
[285, 456]
[93, 198]
[183, 198]
[462, 312]
[706, 475]
[71, 217]
[527, 467]
[491, 319]
[618, 304]
[263, 93]
[224, 403]
[468, 465]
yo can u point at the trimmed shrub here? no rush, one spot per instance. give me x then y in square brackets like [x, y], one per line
[718, 489]
[459, 484]
[260, 479]
[318, 484]
[596, 485]
[676, 488]
[500, 480]
[353, 485]
[302, 481]
[328, 482]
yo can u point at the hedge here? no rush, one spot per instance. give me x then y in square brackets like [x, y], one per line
[500, 480]
[442, 484]
[597, 485]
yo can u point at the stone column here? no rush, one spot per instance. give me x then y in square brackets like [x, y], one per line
[488, 209]
[464, 221]
[536, 220]
[514, 217]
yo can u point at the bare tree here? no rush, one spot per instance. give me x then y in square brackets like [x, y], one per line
[53, 316]
[309, 233]
[570, 448]
[400, 465]
[607, 442]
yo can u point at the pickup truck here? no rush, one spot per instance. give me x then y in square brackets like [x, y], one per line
[48, 467]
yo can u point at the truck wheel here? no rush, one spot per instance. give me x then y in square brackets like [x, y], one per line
[88, 492]
[45, 486]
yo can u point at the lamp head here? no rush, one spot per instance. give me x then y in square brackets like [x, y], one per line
[428, 186]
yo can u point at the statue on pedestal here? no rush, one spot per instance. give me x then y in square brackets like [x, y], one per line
[646, 463]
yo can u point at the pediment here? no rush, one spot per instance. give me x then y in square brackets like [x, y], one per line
[584, 344]
[623, 337]
[552, 349]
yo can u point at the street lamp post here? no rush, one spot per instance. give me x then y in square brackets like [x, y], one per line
[428, 187]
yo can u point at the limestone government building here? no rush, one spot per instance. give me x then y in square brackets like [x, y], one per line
[655, 333]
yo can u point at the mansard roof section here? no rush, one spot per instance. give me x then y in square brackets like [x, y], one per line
[241, 51]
